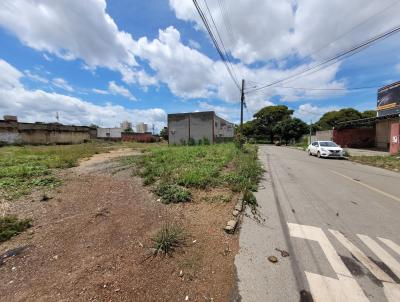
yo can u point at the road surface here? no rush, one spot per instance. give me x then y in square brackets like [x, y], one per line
[340, 223]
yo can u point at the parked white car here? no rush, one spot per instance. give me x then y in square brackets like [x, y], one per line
[325, 149]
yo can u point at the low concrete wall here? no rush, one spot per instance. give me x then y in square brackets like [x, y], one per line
[355, 138]
[15, 133]
[326, 135]
[109, 132]
[139, 137]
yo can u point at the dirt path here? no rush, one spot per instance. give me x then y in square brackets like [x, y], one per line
[90, 240]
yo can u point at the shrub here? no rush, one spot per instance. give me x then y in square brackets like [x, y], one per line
[11, 226]
[167, 239]
[171, 193]
[191, 141]
[206, 141]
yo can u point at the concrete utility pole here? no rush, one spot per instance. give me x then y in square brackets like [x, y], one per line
[310, 130]
[241, 107]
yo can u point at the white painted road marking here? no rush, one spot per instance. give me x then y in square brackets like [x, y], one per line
[326, 289]
[390, 288]
[391, 244]
[356, 252]
[367, 186]
[381, 253]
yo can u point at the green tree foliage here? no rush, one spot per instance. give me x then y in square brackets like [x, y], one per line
[290, 129]
[164, 133]
[267, 118]
[329, 119]
[369, 113]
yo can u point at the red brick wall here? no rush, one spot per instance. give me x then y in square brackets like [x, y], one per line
[355, 138]
[139, 137]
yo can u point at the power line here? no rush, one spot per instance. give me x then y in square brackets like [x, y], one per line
[356, 26]
[222, 42]
[336, 58]
[221, 54]
[326, 89]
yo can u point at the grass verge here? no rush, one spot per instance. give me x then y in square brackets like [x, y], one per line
[175, 170]
[386, 162]
[11, 226]
[24, 168]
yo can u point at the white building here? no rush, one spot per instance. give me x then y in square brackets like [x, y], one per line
[109, 132]
[126, 125]
[142, 128]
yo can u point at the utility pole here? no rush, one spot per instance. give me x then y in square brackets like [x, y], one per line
[310, 130]
[241, 107]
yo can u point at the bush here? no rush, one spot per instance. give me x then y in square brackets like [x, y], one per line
[206, 141]
[11, 226]
[167, 239]
[191, 141]
[171, 193]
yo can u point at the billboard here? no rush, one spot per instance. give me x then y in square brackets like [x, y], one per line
[389, 99]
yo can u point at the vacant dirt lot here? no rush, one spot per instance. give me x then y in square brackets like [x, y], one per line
[91, 242]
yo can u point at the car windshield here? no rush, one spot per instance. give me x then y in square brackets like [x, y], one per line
[327, 144]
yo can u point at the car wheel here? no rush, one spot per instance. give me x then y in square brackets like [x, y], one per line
[318, 154]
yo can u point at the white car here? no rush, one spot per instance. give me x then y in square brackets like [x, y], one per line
[325, 149]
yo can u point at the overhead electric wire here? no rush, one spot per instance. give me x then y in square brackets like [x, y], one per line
[354, 27]
[220, 39]
[221, 54]
[345, 54]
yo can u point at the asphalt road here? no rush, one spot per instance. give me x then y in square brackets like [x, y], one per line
[340, 223]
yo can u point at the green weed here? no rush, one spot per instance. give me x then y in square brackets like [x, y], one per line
[11, 226]
[171, 193]
[168, 238]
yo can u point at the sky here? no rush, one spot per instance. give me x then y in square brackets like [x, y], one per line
[102, 62]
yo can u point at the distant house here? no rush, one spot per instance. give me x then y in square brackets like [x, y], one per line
[198, 126]
[110, 133]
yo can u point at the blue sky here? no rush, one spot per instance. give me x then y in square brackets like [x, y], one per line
[104, 62]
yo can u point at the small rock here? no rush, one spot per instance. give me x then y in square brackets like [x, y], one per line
[230, 226]
[239, 206]
[272, 259]
[235, 213]
[194, 241]
[117, 290]
[31, 232]
[187, 298]
[55, 257]
[181, 274]
[13, 268]
[158, 200]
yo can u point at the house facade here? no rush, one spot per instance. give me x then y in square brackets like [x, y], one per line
[198, 126]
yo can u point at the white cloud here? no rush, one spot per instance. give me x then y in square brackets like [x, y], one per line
[194, 44]
[39, 105]
[279, 29]
[308, 112]
[69, 29]
[63, 84]
[100, 91]
[115, 89]
[35, 77]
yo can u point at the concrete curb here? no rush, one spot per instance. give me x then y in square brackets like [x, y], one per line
[232, 224]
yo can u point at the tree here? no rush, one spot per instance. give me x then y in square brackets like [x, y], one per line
[368, 114]
[330, 119]
[164, 133]
[291, 129]
[267, 118]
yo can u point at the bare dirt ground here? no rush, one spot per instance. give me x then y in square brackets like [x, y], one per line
[90, 242]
